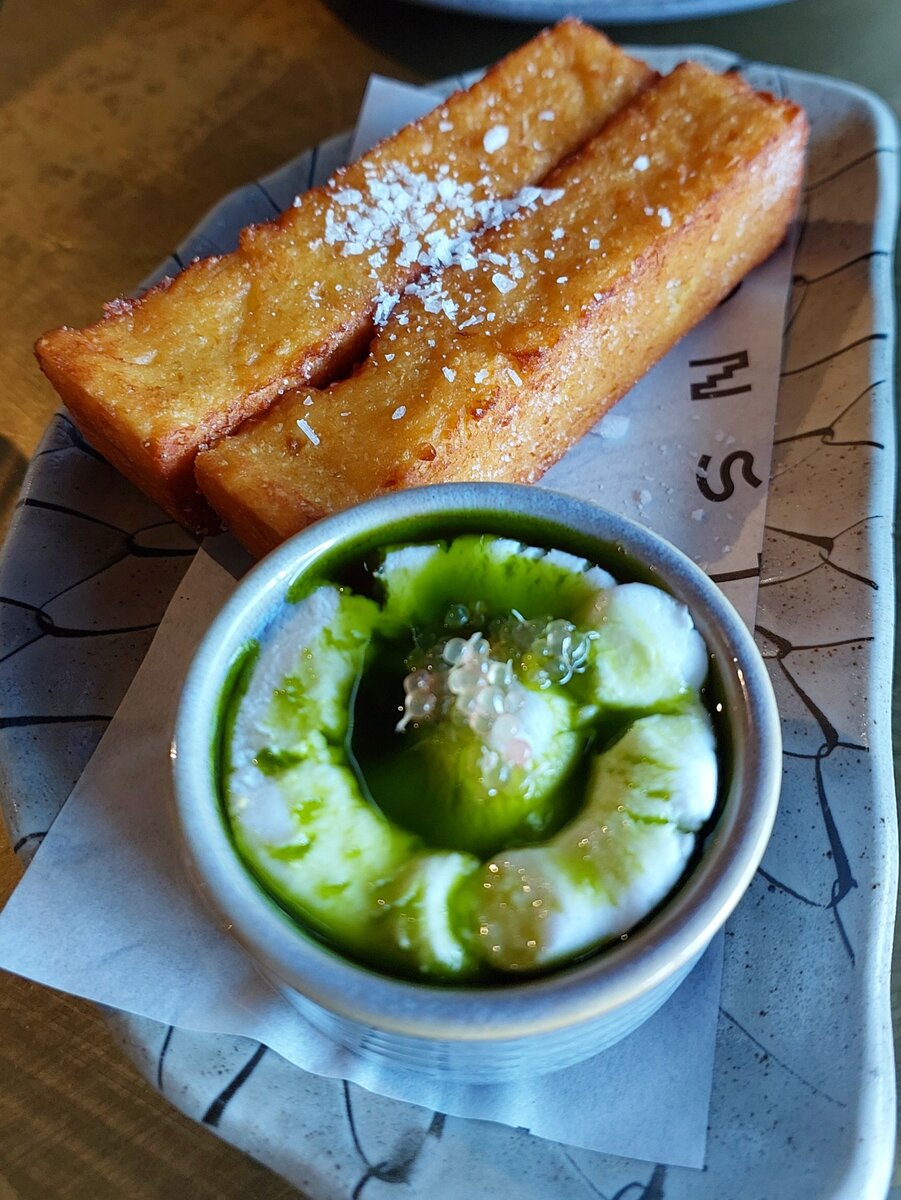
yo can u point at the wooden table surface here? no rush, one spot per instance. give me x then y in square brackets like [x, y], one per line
[121, 122]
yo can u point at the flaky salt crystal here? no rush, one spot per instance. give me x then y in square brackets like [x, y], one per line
[495, 138]
[304, 426]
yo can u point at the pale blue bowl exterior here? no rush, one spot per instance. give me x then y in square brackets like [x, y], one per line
[492, 1033]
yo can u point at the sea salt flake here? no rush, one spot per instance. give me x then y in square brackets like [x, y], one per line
[594, 244]
[557, 233]
[513, 377]
[697, 514]
[304, 427]
[399, 412]
[348, 196]
[495, 138]
[445, 126]
[641, 163]
[562, 278]
[409, 253]
[503, 283]
[547, 115]
[449, 374]
[384, 306]
[481, 376]
[614, 426]
[666, 217]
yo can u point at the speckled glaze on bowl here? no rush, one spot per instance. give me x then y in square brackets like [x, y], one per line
[488, 1033]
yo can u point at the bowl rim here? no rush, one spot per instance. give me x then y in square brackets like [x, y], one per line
[617, 974]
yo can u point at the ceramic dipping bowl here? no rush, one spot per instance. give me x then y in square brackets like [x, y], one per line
[531, 1024]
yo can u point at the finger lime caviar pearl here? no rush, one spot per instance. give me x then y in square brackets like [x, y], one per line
[494, 763]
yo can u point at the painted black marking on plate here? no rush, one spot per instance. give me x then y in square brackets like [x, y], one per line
[731, 576]
[827, 432]
[652, 1190]
[856, 162]
[163, 1051]
[68, 719]
[810, 280]
[789, 891]
[818, 362]
[29, 837]
[270, 198]
[780, 1062]
[395, 1170]
[213, 1114]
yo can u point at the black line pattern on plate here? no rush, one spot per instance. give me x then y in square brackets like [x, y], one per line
[28, 839]
[826, 433]
[855, 162]
[652, 1190]
[779, 886]
[132, 546]
[270, 199]
[843, 882]
[733, 576]
[805, 283]
[74, 440]
[104, 544]
[314, 159]
[769, 1055]
[409, 1147]
[870, 337]
[827, 543]
[589, 1183]
[48, 627]
[164, 1050]
[67, 719]
[633, 1190]
[808, 280]
[213, 1114]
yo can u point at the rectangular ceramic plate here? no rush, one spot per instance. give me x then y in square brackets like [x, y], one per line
[803, 1096]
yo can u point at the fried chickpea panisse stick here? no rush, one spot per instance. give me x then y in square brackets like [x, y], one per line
[558, 313]
[160, 378]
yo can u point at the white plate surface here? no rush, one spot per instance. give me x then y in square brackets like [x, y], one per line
[803, 1096]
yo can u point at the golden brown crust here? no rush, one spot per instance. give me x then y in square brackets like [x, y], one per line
[683, 192]
[157, 379]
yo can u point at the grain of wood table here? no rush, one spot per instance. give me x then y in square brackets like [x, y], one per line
[122, 122]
